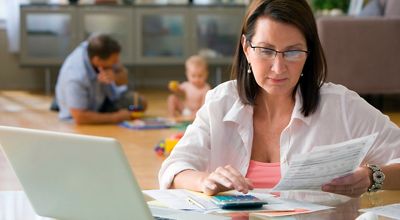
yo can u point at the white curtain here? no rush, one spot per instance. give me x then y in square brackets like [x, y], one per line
[12, 23]
[355, 7]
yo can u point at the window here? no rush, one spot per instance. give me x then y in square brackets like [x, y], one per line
[2, 9]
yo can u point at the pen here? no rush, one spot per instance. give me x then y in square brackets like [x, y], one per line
[194, 202]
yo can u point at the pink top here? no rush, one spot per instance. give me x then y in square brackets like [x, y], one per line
[264, 175]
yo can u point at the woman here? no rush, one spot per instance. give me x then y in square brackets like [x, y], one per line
[249, 129]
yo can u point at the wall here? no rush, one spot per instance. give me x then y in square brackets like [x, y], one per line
[12, 76]
[157, 77]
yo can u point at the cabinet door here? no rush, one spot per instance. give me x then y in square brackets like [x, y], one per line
[162, 35]
[217, 32]
[115, 21]
[47, 35]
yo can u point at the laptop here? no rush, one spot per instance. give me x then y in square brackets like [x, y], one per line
[79, 177]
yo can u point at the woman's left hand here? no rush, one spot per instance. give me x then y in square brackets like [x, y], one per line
[353, 185]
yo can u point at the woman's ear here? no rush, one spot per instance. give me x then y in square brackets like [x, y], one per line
[245, 45]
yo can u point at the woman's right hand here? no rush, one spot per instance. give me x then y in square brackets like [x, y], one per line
[225, 178]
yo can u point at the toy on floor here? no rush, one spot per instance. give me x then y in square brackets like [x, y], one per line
[148, 123]
[137, 108]
[136, 111]
[165, 146]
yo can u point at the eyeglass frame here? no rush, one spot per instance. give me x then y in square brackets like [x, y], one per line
[276, 52]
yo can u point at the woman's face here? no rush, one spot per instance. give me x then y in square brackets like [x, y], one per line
[276, 75]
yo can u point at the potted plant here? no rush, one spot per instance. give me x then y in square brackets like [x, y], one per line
[330, 7]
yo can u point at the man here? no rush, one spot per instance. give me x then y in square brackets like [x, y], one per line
[92, 84]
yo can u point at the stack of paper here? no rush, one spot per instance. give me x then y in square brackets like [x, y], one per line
[178, 199]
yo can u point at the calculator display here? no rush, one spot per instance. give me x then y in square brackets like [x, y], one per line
[237, 201]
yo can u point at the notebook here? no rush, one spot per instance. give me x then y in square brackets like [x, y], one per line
[70, 176]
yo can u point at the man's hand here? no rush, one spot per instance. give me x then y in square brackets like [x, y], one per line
[122, 115]
[121, 75]
[106, 76]
[91, 117]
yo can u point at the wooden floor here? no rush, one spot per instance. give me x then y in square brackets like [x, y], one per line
[24, 109]
[29, 110]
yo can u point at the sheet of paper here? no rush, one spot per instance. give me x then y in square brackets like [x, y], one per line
[311, 170]
[391, 211]
[178, 199]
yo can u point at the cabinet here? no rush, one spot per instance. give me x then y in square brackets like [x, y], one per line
[115, 21]
[148, 34]
[47, 34]
[216, 33]
[163, 35]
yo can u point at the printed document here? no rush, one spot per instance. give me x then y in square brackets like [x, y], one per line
[311, 170]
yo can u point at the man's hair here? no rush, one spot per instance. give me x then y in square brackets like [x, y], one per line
[299, 14]
[103, 46]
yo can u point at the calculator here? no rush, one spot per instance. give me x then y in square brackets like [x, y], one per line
[237, 201]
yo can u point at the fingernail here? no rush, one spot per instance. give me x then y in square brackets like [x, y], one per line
[325, 187]
[213, 186]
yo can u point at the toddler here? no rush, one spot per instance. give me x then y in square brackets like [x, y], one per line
[194, 89]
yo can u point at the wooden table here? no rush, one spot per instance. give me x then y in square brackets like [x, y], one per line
[15, 206]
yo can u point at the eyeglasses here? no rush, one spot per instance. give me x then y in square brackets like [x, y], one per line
[270, 54]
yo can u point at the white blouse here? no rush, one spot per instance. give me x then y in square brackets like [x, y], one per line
[222, 132]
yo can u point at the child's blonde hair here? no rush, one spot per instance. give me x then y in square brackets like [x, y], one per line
[197, 61]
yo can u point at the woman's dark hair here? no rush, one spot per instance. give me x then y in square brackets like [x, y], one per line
[299, 14]
[103, 46]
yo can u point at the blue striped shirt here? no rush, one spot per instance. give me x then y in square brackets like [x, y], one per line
[77, 85]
